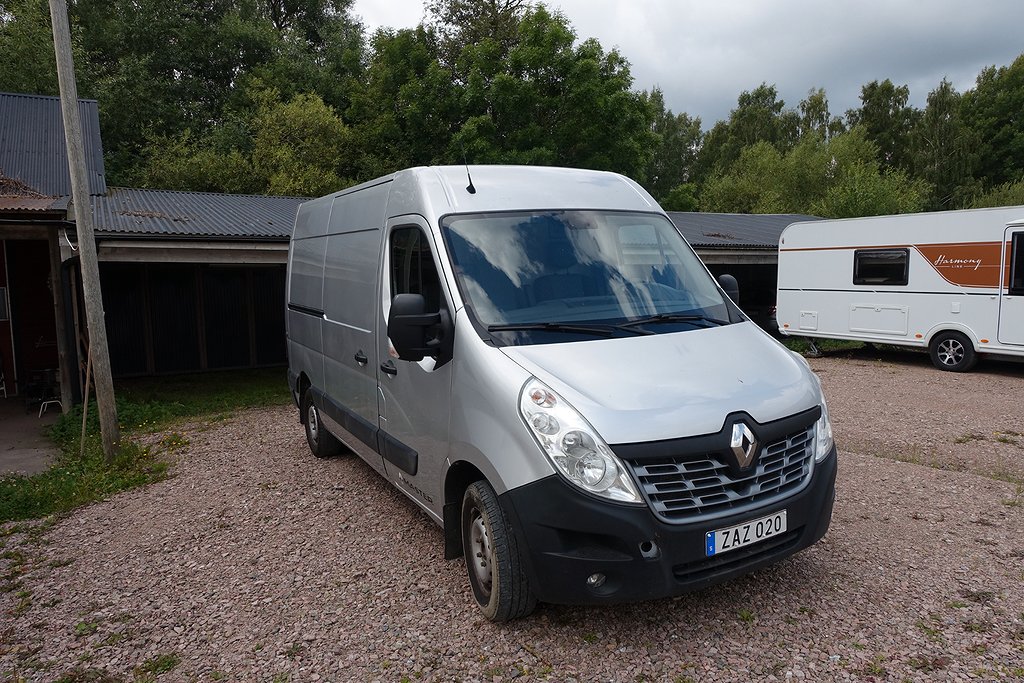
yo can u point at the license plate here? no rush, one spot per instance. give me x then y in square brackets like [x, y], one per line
[723, 540]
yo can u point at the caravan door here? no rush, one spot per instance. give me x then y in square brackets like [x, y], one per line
[1011, 300]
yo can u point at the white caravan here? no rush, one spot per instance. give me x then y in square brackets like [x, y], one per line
[950, 281]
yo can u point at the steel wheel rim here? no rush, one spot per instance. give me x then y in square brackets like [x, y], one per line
[951, 352]
[481, 558]
[313, 422]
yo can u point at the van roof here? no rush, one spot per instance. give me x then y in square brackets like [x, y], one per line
[504, 188]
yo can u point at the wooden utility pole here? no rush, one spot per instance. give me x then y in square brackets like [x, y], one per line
[83, 222]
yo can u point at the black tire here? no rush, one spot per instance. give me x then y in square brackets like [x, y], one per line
[952, 351]
[321, 442]
[493, 563]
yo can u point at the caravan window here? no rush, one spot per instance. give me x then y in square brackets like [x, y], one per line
[1017, 265]
[880, 266]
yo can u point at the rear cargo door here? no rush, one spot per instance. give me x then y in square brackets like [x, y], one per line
[1011, 300]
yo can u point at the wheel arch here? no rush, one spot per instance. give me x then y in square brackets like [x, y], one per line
[458, 478]
[952, 327]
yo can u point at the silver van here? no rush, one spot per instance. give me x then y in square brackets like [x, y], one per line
[538, 360]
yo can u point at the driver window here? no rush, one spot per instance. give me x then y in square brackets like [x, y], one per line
[412, 267]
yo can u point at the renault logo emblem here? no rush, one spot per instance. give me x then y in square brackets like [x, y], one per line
[744, 445]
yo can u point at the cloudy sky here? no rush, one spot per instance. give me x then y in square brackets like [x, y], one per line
[703, 53]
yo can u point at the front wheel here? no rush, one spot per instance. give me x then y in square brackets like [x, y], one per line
[321, 442]
[495, 568]
[952, 351]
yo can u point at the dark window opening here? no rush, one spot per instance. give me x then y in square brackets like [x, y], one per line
[1017, 264]
[412, 267]
[880, 266]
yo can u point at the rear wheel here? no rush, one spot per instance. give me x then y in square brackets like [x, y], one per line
[495, 568]
[321, 442]
[953, 351]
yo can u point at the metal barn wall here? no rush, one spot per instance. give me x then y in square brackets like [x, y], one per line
[176, 318]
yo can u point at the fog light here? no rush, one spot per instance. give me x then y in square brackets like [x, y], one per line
[595, 580]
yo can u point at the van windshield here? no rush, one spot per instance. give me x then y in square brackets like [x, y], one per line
[547, 276]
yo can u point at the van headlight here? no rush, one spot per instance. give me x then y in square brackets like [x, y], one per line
[823, 434]
[575, 448]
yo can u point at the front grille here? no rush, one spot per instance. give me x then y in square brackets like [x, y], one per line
[680, 488]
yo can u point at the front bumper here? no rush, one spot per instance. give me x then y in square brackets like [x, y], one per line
[566, 536]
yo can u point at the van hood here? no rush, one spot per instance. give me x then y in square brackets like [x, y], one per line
[666, 386]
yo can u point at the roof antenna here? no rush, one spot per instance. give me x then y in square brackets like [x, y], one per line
[469, 188]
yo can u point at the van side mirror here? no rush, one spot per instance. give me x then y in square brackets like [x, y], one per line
[408, 324]
[731, 287]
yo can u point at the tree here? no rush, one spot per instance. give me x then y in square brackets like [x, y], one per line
[26, 43]
[466, 22]
[993, 110]
[815, 117]
[674, 157]
[759, 116]
[550, 101]
[837, 178]
[945, 150]
[887, 119]
[296, 147]
[1007, 194]
[405, 110]
[680, 198]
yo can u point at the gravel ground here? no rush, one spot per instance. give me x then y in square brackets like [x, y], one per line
[257, 562]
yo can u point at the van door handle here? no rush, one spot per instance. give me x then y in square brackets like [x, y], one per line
[389, 368]
[360, 357]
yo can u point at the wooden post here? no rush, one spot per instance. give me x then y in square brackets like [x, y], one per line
[86, 237]
[58, 314]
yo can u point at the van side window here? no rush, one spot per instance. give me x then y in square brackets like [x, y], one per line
[880, 266]
[1017, 264]
[412, 267]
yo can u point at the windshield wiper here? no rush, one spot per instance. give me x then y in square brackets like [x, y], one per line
[675, 318]
[602, 330]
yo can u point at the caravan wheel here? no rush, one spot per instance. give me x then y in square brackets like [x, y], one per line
[953, 351]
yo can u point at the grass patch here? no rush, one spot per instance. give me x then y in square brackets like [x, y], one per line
[143, 405]
[74, 481]
[149, 404]
[803, 346]
[148, 671]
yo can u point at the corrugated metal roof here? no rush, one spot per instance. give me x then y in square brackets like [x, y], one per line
[164, 213]
[32, 147]
[28, 204]
[734, 230]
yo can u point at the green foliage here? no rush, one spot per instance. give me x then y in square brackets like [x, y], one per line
[681, 198]
[287, 148]
[551, 101]
[759, 117]
[837, 178]
[26, 43]
[993, 110]
[1007, 194]
[863, 190]
[945, 150]
[674, 158]
[291, 97]
[888, 120]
